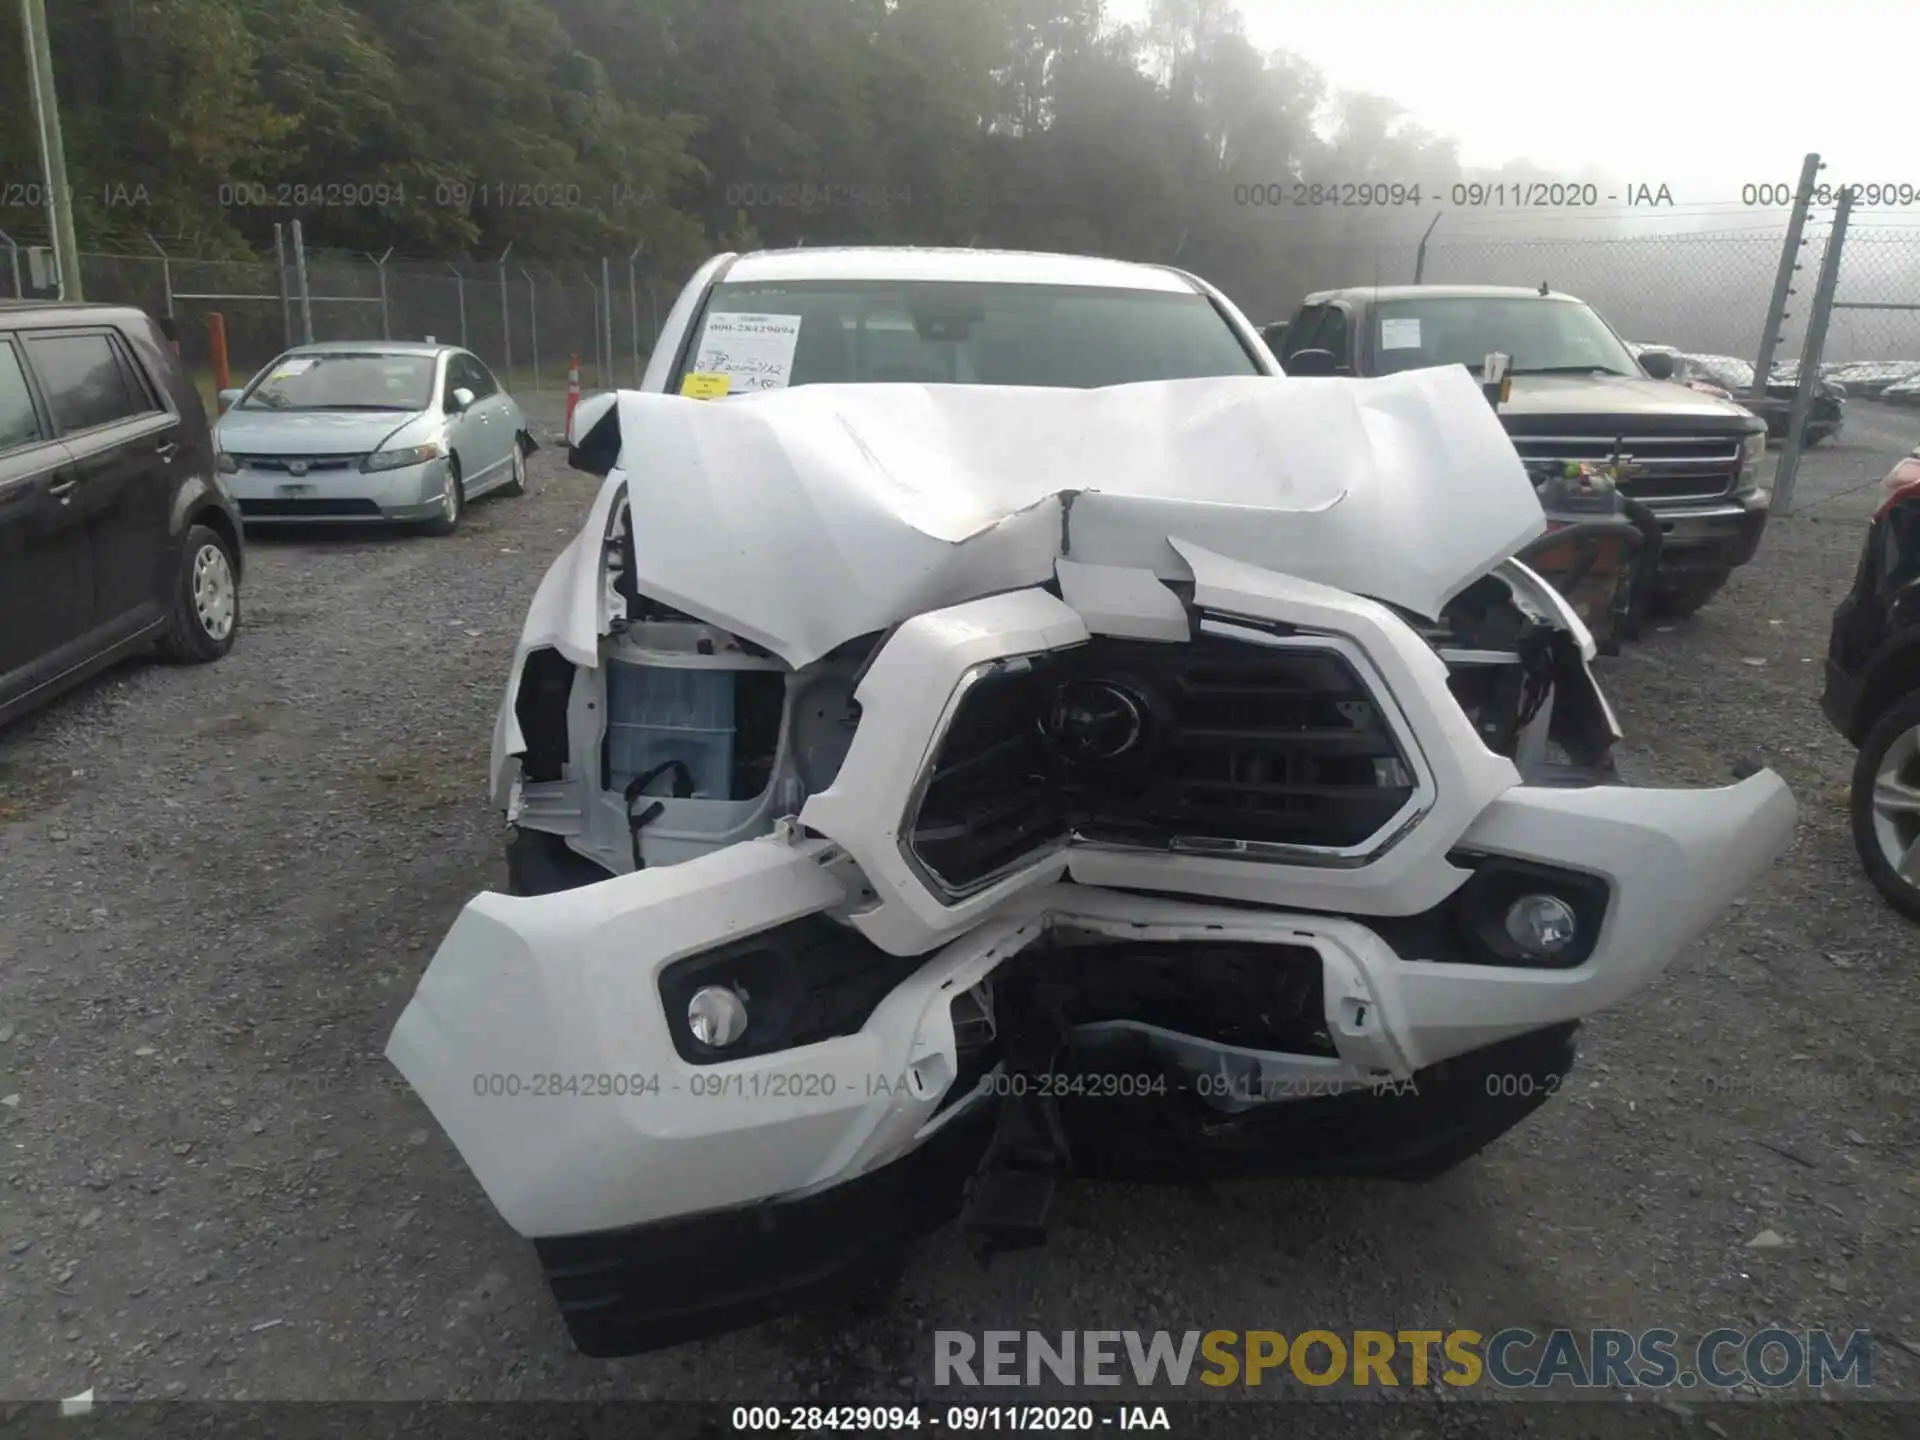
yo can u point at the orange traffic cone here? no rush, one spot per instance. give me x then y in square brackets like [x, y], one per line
[573, 392]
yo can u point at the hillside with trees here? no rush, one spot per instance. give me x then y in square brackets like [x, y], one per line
[576, 128]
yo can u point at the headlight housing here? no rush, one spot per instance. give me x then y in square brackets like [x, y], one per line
[226, 463]
[1751, 449]
[400, 459]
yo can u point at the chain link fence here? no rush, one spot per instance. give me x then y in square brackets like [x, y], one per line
[527, 321]
[1873, 334]
[1699, 292]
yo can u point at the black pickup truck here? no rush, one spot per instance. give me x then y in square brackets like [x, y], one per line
[1578, 393]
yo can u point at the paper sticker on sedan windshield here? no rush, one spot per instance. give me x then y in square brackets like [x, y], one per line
[698, 386]
[754, 351]
[293, 368]
[1400, 334]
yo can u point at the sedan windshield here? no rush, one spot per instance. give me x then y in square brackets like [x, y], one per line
[1723, 370]
[344, 382]
[956, 333]
[1540, 335]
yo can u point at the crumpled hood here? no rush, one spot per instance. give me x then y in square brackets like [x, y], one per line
[804, 518]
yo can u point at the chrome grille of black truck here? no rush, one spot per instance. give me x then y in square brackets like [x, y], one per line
[1214, 746]
[1663, 467]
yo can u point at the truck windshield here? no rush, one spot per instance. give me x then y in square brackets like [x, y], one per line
[1539, 333]
[954, 333]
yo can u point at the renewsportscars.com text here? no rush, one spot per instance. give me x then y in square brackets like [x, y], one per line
[1514, 1358]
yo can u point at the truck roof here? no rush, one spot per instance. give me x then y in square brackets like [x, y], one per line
[928, 263]
[1366, 294]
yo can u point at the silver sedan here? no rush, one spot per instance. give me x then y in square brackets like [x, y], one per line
[370, 431]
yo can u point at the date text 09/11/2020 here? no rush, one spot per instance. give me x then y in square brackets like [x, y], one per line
[1472, 194]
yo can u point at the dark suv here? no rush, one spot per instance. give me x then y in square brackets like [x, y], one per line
[114, 532]
[1873, 690]
[1579, 394]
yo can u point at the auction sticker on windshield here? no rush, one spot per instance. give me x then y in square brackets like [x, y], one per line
[698, 386]
[1400, 333]
[755, 351]
[292, 368]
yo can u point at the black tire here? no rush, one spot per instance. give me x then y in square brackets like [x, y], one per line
[1688, 593]
[1898, 726]
[454, 508]
[517, 480]
[541, 864]
[204, 615]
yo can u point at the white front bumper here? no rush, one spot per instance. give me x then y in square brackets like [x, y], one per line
[539, 1040]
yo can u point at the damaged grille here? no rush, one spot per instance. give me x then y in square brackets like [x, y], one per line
[1664, 467]
[1214, 746]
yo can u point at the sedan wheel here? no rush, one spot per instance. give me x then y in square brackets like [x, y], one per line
[517, 475]
[453, 504]
[1886, 805]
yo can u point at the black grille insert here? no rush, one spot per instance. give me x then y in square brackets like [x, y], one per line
[316, 509]
[1214, 744]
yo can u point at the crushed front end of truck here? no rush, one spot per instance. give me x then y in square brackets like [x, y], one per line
[992, 786]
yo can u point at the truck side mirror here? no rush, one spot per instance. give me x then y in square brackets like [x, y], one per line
[1657, 363]
[1312, 362]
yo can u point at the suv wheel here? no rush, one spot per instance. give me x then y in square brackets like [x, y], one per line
[1886, 805]
[1688, 592]
[205, 613]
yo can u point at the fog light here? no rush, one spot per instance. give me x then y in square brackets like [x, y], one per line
[717, 1015]
[1540, 925]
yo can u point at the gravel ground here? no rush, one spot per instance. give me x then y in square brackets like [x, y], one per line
[221, 884]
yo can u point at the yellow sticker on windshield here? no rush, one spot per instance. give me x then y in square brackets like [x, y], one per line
[699, 386]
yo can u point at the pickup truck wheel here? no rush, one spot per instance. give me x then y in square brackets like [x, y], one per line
[1688, 593]
[204, 615]
[1886, 805]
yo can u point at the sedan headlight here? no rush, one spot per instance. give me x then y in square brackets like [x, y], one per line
[399, 459]
[228, 465]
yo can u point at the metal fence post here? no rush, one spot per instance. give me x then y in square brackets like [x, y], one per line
[166, 270]
[633, 305]
[533, 325]
[386, 323]
[460, 284]
[280, 272]
[300, 280]
[587, 275]
[506, 316]
[606, 306]
[13, 251]
[1420, 255]
[1816, 339]
[1810, 169]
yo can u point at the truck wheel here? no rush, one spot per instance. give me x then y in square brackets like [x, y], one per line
[1885, 804]
[541, 864]
[1687, 593]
